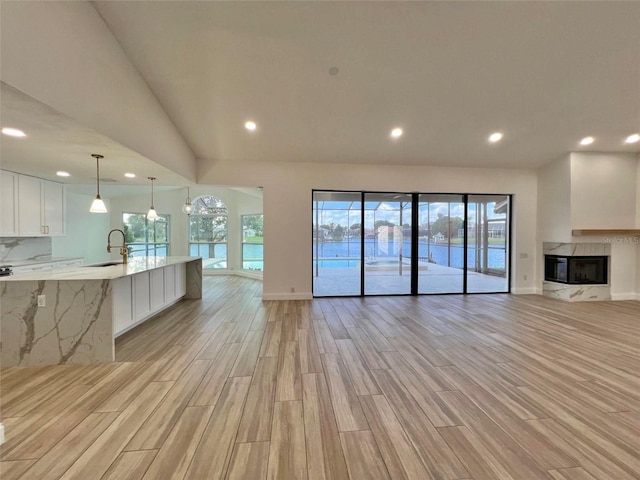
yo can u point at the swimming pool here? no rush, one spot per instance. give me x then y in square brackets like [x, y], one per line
[337, 263]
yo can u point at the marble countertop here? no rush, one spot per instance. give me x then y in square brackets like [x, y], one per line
[91, 272]
[37, 261]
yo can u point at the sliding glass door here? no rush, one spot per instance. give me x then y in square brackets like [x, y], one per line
[387, 243]
[379, 243]
[488, 243]
[441, 243]
[337, 218]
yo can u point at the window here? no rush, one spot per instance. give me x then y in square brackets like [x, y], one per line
[145, 237]
[208, 231]
[252, 242]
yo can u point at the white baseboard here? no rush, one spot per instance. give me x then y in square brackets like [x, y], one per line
[525, 291]
[249, 274]
[1, 434]
[287, 296]
[625, 296]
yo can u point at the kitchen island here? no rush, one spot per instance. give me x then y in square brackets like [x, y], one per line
[73, 315]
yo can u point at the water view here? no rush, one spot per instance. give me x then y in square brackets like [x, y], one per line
[346, 253]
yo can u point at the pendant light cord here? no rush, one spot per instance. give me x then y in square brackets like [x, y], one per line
[97, 157]
[152, 179]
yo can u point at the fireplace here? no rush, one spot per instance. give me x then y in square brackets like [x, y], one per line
[576, 270]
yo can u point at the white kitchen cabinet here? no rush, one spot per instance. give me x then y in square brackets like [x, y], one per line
[122, 292]
[40, 207]
[156, 297]
[142, 295]
[53, 208]
[141, 303]
[169, 283]
[9, 202]
[30, 206]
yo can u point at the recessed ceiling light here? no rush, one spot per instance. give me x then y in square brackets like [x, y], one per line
[251, 126]
[130, 175]
[396, 132]
[13, 132]
[495, 137]
[63, 174]
[587, 141]
[633, 138]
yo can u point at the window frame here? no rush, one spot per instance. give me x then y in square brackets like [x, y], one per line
[219, 209]
[243, 242]
[149, 246]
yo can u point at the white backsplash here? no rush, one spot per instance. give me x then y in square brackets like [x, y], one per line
[24, 248]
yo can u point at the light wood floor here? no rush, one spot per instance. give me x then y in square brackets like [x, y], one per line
[440, 387]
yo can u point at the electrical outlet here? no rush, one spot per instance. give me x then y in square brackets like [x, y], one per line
[525, 276]
[42, 300]
[293, 289]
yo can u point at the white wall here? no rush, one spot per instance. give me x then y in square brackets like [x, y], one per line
[603, 190]
[638, 226]
[554, 202]
[288, 208]
[86, 232]
[65, 56]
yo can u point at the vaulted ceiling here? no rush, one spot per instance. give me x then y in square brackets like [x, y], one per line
[327, 81]
[545, 74]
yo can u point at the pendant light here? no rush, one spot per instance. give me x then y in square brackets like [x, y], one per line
[152, 214]
[187, 207]
[98, 205]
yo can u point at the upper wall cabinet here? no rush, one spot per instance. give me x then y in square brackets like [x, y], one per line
[38, 206]
[53, 208]
[9, 202]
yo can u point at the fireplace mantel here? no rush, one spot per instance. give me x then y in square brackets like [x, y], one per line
[596, 232]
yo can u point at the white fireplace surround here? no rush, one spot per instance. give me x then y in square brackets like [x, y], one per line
[577, 293]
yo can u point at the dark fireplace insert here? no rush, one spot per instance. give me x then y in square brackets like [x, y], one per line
[576, 270]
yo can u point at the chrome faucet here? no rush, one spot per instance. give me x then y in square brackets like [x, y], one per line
[123, 247]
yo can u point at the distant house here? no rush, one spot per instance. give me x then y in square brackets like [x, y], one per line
[496, 229]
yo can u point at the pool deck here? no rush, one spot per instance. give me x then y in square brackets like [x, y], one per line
[435, 279]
